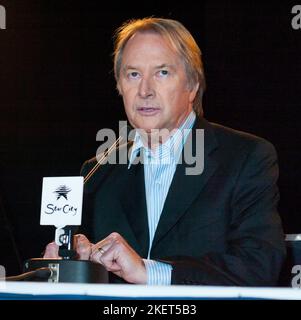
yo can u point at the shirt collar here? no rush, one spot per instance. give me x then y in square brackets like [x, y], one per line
[167, 152]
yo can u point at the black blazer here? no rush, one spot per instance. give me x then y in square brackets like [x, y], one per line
[217, 228]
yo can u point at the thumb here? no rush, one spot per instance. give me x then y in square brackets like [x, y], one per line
[51, 251]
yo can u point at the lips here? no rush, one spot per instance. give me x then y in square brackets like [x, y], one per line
[148, 110]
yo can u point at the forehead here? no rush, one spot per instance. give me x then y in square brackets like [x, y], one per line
[145, 46]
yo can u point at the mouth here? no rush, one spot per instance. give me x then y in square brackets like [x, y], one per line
[148, 111]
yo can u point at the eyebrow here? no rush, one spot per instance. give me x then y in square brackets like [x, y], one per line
[161, 66]
[165, 65]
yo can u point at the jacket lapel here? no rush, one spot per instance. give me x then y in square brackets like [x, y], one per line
[128, 189]
[134, 205]
[185, 188]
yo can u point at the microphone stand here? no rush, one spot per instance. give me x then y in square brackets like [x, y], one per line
[67, 269]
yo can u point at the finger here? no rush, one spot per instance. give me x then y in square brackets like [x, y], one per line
[96, 257]
[98, 252]
[82, 246]
[123, 261]
[51, 251]
[109, 257]
[101, 246]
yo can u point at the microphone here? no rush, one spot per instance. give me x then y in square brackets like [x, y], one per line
[67, 268]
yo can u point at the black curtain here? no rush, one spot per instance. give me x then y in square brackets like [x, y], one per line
[57, 90]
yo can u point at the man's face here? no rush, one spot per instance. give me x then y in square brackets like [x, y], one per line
[153, 84]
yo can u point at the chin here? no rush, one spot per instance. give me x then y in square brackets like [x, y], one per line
[147, 126]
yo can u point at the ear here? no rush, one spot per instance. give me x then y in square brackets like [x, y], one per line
[193, 92]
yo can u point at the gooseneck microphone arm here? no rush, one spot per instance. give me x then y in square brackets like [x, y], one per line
[113, 147]
[102, 159]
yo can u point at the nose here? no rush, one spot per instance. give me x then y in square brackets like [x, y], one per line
[146, 88]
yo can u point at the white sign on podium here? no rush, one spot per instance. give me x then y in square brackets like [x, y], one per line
[62, 199]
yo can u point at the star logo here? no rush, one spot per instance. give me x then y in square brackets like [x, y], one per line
[62, 191]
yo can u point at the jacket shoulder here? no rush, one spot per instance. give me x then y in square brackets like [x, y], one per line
[229, 138]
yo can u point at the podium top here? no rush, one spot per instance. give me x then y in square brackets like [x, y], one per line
[293, 237]
[35, 290]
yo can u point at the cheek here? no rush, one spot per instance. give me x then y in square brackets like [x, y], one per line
[125, 89]
[173, 92]
[167, 96]
[173, 99]
[128, 96]
[182, 96]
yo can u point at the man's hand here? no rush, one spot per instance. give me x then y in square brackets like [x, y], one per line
[81, 245]
[116, 255]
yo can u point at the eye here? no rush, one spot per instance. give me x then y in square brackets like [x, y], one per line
[163, 73]
[133, 75]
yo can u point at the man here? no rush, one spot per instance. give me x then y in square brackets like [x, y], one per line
[155, 224]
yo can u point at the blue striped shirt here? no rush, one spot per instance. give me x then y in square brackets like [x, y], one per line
[159, 168]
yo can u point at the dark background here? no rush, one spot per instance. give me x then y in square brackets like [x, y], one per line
[57, 90]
